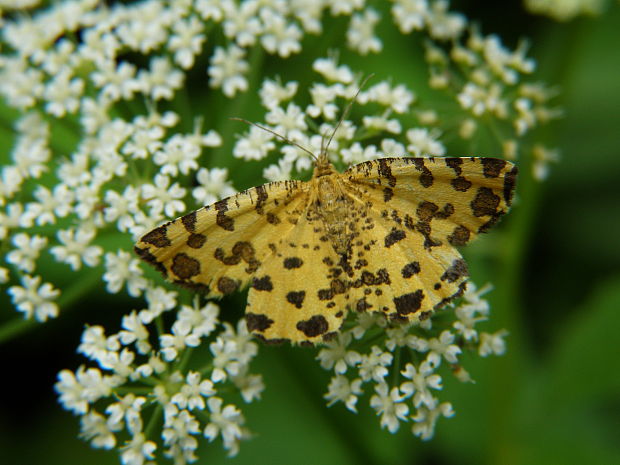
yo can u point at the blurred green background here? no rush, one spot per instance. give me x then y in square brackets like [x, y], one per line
[553, 399]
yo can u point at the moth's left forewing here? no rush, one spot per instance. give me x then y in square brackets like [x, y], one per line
[218, 248]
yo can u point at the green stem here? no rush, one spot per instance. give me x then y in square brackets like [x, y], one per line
[14, 328]
[507, 301]
[149, 430]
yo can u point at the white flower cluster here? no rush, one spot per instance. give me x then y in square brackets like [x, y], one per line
[404, 361]
[104, 150]
[564, 10]
[191, 403]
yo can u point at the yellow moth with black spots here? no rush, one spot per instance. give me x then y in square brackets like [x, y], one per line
[379, 237]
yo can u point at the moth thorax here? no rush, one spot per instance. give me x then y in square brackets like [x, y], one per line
[334, 207]
[323, 167]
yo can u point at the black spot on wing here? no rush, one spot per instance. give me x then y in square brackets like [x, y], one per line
[409, 303]
[492, 167]
[262, 284]
[315, 326]
[157, 237]
[185, 266]
[258, 322]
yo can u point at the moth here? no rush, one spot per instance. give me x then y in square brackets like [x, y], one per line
[381, 236]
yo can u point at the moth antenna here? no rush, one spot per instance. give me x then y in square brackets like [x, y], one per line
[346, 111]
[285, 139]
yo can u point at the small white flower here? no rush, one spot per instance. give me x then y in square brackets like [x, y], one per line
[224, 359]
[422, 379]
[424, 143]
[281, 171]
[76, 247]
[389, 404]
[209, 10]
[467, 318]
[242, 22]
[116, 80]
[135, 332]
[35, 300]
[381, 123]
[159, 300]
[145, 27]
[63, 93]
[250, 386]
[273, 93]
[245, 348]
[26, 252]
[443, 346]
[94, 343]
[181, 337]
[4, 275]
[202, 320]
[127, 409]
[367, 320]
[323, 101]
[335, 354]
[443, 24]
[76, 171]
[542, 157]
[95, 114]
[278, 35]
[121, 207]
[227, 70]
[480, 99]
[226, 422]
[155, 365]
[137, 450]
[357, 154]
[213, 185]
[410, 14]
[161, 80]
[398, 98]
[10, 182]
[345, 7]
[289, 123]
[179, 154]
[144, 141]
[49, 205]
[187, 40]
[467, 128]
[180, 427]
[21, 84]
[341, 389]
[398, 336]
[88, 198]
[192, 392]
[360, 35]
[492, 343]
[10, 218]
[121, 363]
[255, 146]
[71, 392]
[425, 419]
[329, 69]
[94, 428]
[122, 268]
[373, 365]
[85, 387]
[163, 197]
